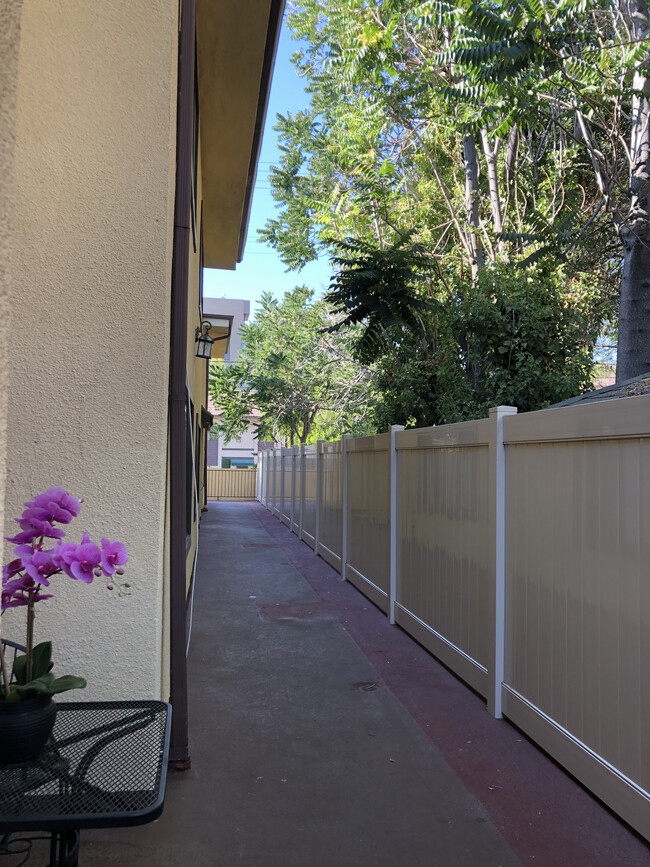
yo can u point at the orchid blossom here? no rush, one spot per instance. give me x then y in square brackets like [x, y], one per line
[26, 576]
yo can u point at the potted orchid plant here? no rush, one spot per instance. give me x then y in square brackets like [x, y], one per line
[26, 580]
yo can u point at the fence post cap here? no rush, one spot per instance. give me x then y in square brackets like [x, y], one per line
[502, 410]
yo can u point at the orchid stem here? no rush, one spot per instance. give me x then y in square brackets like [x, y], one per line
[30, 636]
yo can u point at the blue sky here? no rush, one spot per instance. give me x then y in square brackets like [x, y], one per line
[261, 269]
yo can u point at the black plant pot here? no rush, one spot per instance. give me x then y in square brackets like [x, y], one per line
[25, 727]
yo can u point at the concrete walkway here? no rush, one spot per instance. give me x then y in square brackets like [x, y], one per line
[323, 737]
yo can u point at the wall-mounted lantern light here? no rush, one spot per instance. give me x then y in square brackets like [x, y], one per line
[204, 341]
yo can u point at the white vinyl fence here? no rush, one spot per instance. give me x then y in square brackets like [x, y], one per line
[517, 550]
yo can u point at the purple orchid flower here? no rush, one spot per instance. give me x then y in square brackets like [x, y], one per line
[41, 567]
[47, 530]
[25, 554]
[24, 578]
[58, 505]
[11, 569]
[36, 521]
[63, 555]
[22, 584]
[113, 555]
[83, 560]
[10, 600]
[24, 551]
[23, 537]
[15, 594]
[29, 514]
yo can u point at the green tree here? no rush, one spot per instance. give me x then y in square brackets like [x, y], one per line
[385, 293]
[300, 377]
[400, 134]
[444, 349]
[389, 144]
[579, 71]
[516, 136]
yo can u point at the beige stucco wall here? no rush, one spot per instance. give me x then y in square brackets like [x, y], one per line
[90, 266]
[10, 12]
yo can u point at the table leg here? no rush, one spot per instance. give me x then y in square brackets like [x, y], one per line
[64, 849]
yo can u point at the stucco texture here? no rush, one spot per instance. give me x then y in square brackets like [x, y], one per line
[10, 11]
[90, 276]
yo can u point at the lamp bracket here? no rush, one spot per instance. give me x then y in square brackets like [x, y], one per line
[199, 330]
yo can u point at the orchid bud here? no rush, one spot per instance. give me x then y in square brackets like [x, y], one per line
[110, 587]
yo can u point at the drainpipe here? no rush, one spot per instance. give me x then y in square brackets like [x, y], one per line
[179, 755]
[206, 437]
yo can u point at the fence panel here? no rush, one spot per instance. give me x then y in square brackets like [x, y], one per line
[309, 504]
[331, 504]
[578, 593]
[295, 490]
[520, 559]
[231, 484]
[287, 469]
[444, 571]
[368, 541]
[262, 477]
[267, 478]
[277, 482]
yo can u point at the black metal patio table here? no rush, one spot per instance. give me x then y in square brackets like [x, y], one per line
[104, 766]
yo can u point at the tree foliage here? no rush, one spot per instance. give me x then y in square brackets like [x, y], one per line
[507, 336]
[300, 377]
[394, 140]
[512, 133]
[380, 290]
[578, 71]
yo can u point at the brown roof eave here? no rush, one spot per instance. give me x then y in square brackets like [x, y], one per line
[272, 36]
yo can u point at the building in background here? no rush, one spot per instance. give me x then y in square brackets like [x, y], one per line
[241, 452]
[235, 310]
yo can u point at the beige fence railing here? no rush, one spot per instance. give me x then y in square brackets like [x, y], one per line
[232, 484]
[516, 549]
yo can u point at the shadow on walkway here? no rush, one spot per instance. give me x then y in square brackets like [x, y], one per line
[323, 737]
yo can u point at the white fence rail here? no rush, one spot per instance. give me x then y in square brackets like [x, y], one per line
[516, 549]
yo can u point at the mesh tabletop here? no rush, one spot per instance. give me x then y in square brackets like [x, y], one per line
[104, 765]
